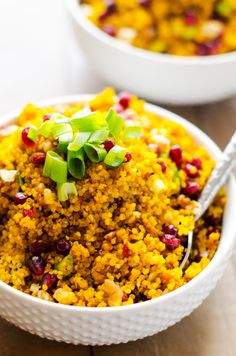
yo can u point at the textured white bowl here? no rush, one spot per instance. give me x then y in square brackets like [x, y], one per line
[156, 77]
[98, 326]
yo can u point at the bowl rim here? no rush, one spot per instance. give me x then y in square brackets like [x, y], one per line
[218, 257]
[75, 11]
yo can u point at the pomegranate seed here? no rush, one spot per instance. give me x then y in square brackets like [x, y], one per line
[110, 9]
[163, 166]
[39, 158]
[190, 18]
[128, 157]
[201, 255]
[144, 3]
[171, 230]
[36, 265]
[20, 198]
[197, 162]
[125, 297]
[191, 189]
[118, 108]
[29, 212]
[110, 30]
[108, 145]
[39, 247]
[176, 155]
[170, 241]
[50, 280]
[191, 170]
[24, 135]
[124, 100]
[63, 247]
[154, 147]
[208, 48]
[46, 117]
[126, 251]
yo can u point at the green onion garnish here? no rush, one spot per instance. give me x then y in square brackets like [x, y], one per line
[85, 123]
[115, 123]
[60, 129]
[33, 133]
[55, 167]
[76, 165]
[45, 128]
[63, 142]
[99, 136]
[115, 157]
[131, 132]
[64, 189]
[96, 153]
[80, 139]
[20, 180]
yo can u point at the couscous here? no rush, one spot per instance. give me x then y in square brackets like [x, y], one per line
[96, 201]
[179, 27]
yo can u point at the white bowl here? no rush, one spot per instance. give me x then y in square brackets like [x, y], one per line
[98, 326]
[156, 77]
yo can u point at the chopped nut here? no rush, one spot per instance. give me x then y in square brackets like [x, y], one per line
[113, 293]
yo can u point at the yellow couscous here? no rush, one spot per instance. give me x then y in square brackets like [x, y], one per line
[179, 27]
[96, 201]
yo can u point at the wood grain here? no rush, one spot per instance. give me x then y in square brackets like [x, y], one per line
[39, 59]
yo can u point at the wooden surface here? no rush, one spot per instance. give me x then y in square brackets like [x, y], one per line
[39, 59]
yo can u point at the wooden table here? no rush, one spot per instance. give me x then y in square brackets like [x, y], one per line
[39, 59]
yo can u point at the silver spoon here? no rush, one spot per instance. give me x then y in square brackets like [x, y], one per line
[217, 179]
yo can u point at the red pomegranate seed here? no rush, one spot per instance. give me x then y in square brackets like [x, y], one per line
[197, 162]
[20, 198]
[50, 281]
[125, 297]
[110, 9]
[171, 230]
[170, 241]
[24, 135]
[39, 158]
[124, 99]
[36, 265]
[190, 18]
[128, 157]
[126, 251]
[29, 212]
[154, 147]
[118, 108]
[163, 166]
[63, 247]
[109, 30]
[39, 247]
[176, 155]
[208, 48]
[191, 170]
[144, 3]
[46, 117]
[108, 145]
[191, 189]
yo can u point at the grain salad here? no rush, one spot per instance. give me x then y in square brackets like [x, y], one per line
[178, 27]
[96, 201]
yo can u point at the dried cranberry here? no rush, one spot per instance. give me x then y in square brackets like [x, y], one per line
[63, 247]
[191, 189]
[171, 230]
[50, 281]
[20, 198]
[176, 155]
[39, 158]
[24, 135]
[126, 251]
[29, 212]
[163, 166]
[170, 241]
[108, 145]
[124, 100]
[128, 157]
[190, 18]
[38, 247]
[36, 265]
[191, 170]
[46, 117]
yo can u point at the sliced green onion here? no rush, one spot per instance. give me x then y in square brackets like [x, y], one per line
[76, 165]
[64, 189]
[115, 123]
[55, 167]
[81, 113]
[45, 128]
[86, 123]
[80, 139]
[60, 129]
[99, 136]
[131, 132]
[59, 119]
[115, 157]
[20, 181]
[96, 153]
[33, 133]
[63, 142]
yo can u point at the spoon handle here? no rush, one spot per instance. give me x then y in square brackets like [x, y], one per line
[219, 176]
